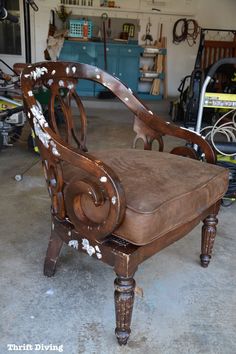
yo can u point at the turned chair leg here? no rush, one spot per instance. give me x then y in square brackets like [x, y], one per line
[208, 238]
[124, 300]
[53, 251]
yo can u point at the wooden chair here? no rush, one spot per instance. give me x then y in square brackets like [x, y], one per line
[214, 50]
[120, 206]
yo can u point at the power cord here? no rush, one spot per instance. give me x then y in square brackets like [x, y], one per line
[227, 129]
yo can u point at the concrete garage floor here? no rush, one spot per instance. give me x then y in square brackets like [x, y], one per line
[184, 309]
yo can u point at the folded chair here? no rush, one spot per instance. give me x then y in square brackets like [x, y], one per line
[120, 206]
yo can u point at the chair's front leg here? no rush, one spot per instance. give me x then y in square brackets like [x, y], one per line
[53, 251]
[124, 300]
[208, 238]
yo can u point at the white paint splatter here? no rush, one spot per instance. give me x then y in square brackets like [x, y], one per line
[103, 179]
[74, 244]
[86, 246]
[97, 248]
[50, 81]
[50, 292]
[113, 200]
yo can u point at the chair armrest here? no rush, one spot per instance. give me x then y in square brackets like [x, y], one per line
[104, 183]
[166, 128]
[150, 119]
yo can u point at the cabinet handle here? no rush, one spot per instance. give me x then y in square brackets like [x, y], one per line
[129, 50]
[120, 74]
[113, 74]
[107, 49]
[84, 47]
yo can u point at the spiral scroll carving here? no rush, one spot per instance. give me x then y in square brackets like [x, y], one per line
[99, 198]
[185, 151]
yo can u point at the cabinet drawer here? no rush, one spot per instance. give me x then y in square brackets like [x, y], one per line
[131, 51]
[109, 49]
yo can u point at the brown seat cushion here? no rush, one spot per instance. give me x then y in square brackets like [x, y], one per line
[163, 191]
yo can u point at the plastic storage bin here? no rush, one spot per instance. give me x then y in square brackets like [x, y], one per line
[76, 28]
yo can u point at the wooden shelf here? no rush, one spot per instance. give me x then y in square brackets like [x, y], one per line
[134, 11]
[154, 74]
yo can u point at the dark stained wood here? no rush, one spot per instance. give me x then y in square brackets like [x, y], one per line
[186, 151]
[124, 300]
[53, 251]
[147, 135]
[102, 185]
[215, 50]
[208, 236]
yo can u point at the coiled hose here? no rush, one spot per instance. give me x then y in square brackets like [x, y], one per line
[189, 31]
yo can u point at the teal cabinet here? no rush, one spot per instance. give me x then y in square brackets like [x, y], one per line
[128, 60]
[112, 53]
[80, 52]
[122, 62]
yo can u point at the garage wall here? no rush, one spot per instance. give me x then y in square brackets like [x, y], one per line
[180, 58]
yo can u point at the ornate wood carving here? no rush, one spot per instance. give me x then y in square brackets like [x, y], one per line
[64, 96]
[124, 300]
[185, 151]
[73, 199]
[208, 238]
[147, 135]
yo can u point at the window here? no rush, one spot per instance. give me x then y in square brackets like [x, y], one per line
[10, 34]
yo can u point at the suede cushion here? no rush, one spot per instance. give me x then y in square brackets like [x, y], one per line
[163, 191]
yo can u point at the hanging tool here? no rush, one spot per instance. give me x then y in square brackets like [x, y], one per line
[109, 28]
[148, 37]
[33, 5]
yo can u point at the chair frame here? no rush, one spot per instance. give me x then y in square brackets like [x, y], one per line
[99, 240]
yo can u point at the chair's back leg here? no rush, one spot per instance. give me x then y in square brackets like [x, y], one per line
[53, 251]
[124, 300]
[208, 238]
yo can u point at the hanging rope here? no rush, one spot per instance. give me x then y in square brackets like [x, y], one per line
[185, 30]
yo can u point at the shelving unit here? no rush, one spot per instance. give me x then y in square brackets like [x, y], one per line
[153, 72]
[94, 5]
